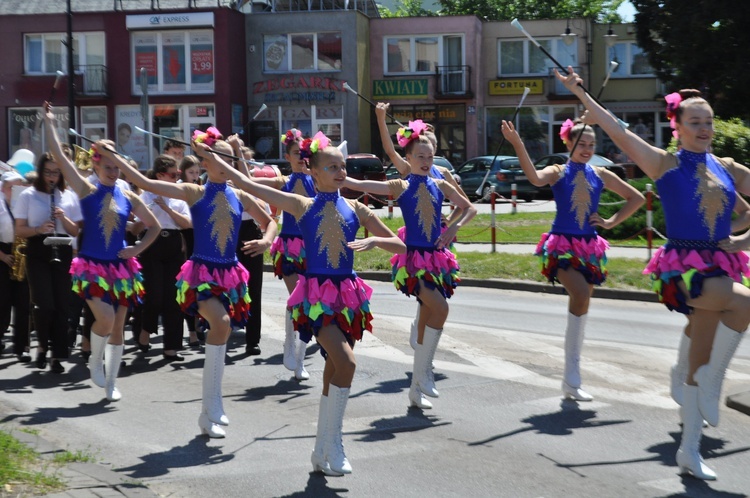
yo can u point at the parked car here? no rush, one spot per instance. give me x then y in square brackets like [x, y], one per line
[364, 167]
[562, 158]
[284, 167]
[392, 173]
[503, 172]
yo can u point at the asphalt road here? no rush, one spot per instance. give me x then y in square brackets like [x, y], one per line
[498, 429]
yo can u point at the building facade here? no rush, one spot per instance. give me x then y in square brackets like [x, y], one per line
[258, 68]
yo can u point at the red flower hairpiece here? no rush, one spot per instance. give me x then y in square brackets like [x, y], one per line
[209, 137]
[411, 132]
[310, 146]
[673, 103]
[95, 156]
[291, 136]
[565, 130]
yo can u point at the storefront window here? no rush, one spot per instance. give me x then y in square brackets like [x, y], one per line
[25, 129]
[539, 127]
[94, 122]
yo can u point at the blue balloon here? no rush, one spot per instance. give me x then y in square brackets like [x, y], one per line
[24, 167]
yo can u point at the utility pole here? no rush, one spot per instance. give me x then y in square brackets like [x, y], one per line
[71, 71]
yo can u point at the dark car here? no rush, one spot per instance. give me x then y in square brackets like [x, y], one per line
[392, 173]
[503, 172]
[364, 167]
[562, 158]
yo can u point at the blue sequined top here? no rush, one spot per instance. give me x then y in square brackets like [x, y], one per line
[216, 221]
[327, 226]
[577, 198]
[697, 197]
[435, 173]
[421, 205]
[302, 184]
[105, 213]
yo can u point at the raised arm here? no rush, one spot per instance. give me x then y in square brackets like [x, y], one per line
[236, 144]
[282, 200]
[652, 160]
[399, 162]
[77, 182]
[158, 187]
[537, 178]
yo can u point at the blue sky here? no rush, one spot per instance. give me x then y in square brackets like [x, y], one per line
[627, 11]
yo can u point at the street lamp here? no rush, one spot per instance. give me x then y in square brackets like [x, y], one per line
[610, 38]
[568, 38]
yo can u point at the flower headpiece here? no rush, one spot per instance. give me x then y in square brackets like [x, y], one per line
[95, 156]
[411, 132]
[673, 103]
[209, 137]
[291, 136]
[310, 146]
[565, 130]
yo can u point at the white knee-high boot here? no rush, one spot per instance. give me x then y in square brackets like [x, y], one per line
[112, 359]
[212, 411]
[574, 334]
[290, 362]
[688, 456]
[416, 397]
[318, 457]
[423, 356]
[414, 335]
[711, 375]
[679, 372]
[96, 361]
[334, 449]
[300, 350]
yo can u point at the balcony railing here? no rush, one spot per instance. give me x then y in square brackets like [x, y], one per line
[453, 82]
[91, 81]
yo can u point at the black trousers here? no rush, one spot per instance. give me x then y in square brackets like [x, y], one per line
[15, 298]
[49, 284]
[249, 230]
[188, 237]
[161, 263]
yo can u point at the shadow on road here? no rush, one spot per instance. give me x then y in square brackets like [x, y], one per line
[196, 452]
[561, 423]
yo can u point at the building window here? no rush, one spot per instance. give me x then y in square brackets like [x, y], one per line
[94, 122]
[46, 53]
[25, 129]
[421, 54]
[302, 52]
[175, 61]
[522, 58]
[632, 59]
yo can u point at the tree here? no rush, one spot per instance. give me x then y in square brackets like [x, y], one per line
[699, 45]
[506, 10]
[405, 8]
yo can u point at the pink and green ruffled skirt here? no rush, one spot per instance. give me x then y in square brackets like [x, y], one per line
[341, 300]
[117, 282]
[288, 255]
[584, 253]
[433, 268]
[672, 264]
[201, 280]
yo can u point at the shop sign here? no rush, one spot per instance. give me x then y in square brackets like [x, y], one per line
[175, 20]
[395, 89]
[299, 84]
[516, 86]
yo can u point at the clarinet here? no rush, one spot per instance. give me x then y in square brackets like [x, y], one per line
[55, 255]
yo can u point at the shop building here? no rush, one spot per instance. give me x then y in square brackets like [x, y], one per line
[185, 58]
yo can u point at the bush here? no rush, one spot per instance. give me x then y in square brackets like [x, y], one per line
[637, 222]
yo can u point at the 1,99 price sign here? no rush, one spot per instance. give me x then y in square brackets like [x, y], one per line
[202, 61]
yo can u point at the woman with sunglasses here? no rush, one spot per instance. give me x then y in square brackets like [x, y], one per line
[161, 263]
